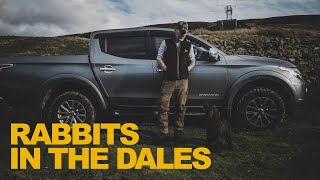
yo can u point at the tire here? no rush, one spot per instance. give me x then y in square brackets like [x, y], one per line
[259, 108]
[72, 107]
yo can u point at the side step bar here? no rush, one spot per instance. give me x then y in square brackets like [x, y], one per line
[155, 113]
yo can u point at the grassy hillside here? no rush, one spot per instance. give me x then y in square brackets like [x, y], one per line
[296, 20]
[43, 46]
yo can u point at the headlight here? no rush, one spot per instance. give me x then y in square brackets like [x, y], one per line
[293, 71]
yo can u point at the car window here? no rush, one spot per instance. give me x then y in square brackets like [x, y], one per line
[201, 53]
[126, 47]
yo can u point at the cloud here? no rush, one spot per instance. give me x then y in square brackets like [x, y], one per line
[57, 17]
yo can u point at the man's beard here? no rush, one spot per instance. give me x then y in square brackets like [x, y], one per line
[181, 38]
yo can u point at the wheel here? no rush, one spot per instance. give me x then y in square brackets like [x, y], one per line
[259, 108]
[72, 107]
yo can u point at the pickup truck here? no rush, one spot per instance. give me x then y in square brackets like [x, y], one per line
[121, 75]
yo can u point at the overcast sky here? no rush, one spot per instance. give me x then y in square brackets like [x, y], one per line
[58, 17]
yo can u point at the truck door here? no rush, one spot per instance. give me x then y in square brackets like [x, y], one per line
[207, 81]
[123, 65]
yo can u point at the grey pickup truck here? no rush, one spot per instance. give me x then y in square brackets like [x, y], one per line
[121, 76]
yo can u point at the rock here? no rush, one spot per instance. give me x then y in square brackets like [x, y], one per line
[225, 43]
[258, 45]
[232, 43]
[248, 45]
[274, 53]
[280, 47]
[292, 60]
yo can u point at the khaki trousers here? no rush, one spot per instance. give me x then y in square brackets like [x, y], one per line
[167, 89]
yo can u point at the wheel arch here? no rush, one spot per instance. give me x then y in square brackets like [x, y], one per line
[268, 79]
[65, 82]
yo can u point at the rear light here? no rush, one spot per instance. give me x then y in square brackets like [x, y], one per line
[5, 66]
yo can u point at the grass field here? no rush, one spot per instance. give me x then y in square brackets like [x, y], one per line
[290, 151]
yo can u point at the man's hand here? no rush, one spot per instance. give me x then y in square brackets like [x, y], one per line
[162, 65]
[192, 65]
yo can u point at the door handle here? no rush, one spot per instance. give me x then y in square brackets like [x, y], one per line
[159, 70]
[107, 68]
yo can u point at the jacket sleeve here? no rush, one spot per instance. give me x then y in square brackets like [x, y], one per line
[161, 50]
[192, 57]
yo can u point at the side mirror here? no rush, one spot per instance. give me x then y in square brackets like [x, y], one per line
[213, 54]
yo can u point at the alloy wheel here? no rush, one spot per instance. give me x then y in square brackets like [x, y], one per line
[71, 111]
[261, 111]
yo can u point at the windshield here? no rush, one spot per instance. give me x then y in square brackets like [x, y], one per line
[196, 40]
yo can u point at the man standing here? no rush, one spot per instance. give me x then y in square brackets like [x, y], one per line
[176, 58]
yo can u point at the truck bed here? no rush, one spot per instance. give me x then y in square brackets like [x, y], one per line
[25, 80]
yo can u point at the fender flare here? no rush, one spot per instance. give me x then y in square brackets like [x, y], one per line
[60, 79]
[257, 75]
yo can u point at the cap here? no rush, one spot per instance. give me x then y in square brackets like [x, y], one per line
[183, 26]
